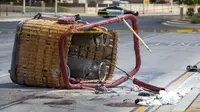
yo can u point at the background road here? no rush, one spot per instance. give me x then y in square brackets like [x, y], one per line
[172, 52]
[145, 23]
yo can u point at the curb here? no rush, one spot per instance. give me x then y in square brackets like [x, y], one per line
[181, 25]
[12, 19]
[70, 14]
[178, 24]
[146, 15]
[174, 22]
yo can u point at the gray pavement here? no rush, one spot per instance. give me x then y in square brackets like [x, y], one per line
[172, 52]
[170, 56]
[6, 44]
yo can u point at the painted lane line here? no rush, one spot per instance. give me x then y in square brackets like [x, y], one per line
[141, 109]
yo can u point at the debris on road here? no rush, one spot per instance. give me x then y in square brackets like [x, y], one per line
[194, 68]
[163, 98]
[145, 93]
[128, 101]
[102, 89]
[96, 98]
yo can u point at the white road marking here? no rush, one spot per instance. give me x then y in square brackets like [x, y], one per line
[6, 44]
[150, 37]
[4, 75]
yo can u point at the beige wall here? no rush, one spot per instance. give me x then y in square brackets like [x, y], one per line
[154, 8]
[150, 8]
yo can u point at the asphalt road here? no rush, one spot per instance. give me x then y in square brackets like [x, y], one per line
[144, 23]
[172, 52]
[6, 40]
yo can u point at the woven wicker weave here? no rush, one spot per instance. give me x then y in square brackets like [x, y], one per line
[38, 62]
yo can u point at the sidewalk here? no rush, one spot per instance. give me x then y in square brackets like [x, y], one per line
[121, 99]
[14, 17]
[20, 17]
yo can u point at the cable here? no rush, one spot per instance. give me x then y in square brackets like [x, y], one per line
[119, 68]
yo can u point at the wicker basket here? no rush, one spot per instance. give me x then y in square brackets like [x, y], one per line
[36, 59]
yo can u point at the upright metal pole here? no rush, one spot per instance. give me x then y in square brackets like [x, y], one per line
[6, 10]
[24, 4]
[86, 8]
[0, 9]
[181, 12]
[11, 5]
[143, 6]
[171, 5]
[30, 7]
[56, 7]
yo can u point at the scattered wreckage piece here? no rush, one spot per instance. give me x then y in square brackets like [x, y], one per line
[191, 68]
[163, 98]
[65, 52]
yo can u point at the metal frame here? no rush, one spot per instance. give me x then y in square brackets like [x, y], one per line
[116, 82]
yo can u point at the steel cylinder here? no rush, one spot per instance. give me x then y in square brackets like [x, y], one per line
[87, 69]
